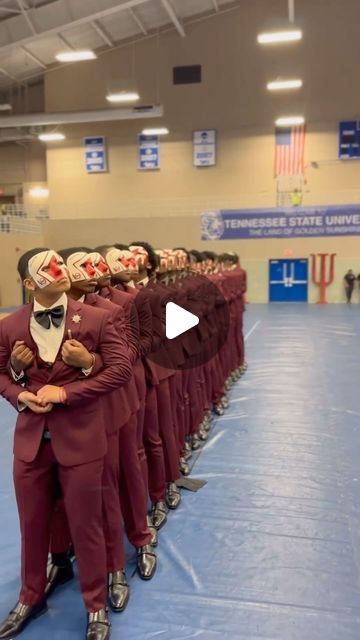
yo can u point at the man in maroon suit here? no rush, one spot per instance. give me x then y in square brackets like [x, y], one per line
[60, 431]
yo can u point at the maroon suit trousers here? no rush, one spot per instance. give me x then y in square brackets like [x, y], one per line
[154, 448]
[133, 498]
[81, 487]
[167, 431]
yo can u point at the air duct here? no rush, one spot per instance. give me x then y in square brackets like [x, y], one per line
[81, 117]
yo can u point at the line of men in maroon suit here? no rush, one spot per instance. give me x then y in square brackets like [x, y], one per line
[109, 409]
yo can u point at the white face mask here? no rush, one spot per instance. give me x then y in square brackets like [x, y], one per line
[113, 259]
[141, 255]
[121, 260]
[46, 267]
[80, 267]
[100, 265]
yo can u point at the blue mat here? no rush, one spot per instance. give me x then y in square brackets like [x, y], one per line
[269, 549]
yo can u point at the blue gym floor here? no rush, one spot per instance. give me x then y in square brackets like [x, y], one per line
[269, 549]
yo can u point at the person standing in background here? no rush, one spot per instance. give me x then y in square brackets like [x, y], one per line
[349, 280]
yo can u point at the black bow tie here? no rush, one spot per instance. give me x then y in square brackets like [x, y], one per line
[48, 316]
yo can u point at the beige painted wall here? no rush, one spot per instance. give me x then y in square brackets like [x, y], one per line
[12, 246]
[21, 164]
[164, 206]
[232, 99]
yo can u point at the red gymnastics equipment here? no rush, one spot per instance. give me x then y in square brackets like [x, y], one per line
[323, 282]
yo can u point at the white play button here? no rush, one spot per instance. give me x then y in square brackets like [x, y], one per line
[178, 320]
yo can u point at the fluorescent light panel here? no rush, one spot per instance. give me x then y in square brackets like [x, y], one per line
[75, 56]
[51, 137]
[290, 121]
[39, 192]
[279, 37]
[123, 96]
[160, 131]
[284, 85]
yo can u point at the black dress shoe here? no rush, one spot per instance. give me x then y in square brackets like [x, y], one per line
[184, 467]
[20, 617]
[159, 515]
[173, 496]
[218, 410]
[195, 442]
[57, 576]
[154, 534]
[119, 591]
[187, 454]
[146, 562]
[203, 434]
[98, 627]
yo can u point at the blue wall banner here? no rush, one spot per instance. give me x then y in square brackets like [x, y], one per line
[299, 222]
[204, 143]
[95, 154]
[149, 153]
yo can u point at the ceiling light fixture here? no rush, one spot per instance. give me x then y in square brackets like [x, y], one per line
[39, 192]
[279, 37]
[284, 85]
[290, 121]
[75, 56]
[160, 131]
[51, 137]
[123, 97]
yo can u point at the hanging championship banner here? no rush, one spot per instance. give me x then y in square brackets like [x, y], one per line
[95, 155]
[149, 153]
[204, 143]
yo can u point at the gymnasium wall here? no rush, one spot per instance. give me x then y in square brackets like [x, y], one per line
[164, 206]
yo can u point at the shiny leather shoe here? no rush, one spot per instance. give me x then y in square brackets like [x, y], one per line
[187, 453]
[206, 425]
[173, 496]
[98, 627]
[119, 591]
[195, 442]
[218, 410]
[203, 434]
[57, 576]
[146, 562]
[153, 530]
[20, 617]
[184, 467]
[159, 515]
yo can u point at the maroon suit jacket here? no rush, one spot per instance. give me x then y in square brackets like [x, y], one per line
[77, 429]
[122, 403]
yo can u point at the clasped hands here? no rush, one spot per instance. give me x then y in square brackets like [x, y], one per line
[73, 353]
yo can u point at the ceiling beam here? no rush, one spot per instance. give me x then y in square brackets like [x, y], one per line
[138, 22]
[102, 33]
[9, 75]
[291, 7]
[215, 5]
[173, 17]
[13, 11]
[65, 41]
[26, 17]
[33, 57]
[128, 4]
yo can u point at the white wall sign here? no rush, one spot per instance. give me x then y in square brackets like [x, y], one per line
[95, 154]
[149, 153]
[204, 143]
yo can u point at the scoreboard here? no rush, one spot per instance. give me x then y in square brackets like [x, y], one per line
[349, 139]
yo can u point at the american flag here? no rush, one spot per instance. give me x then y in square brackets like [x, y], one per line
[289, 151]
